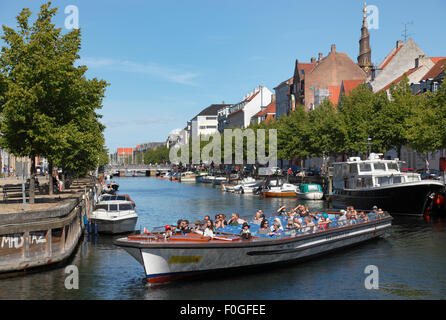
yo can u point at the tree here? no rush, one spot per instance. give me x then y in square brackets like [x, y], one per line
[328, 132]
[357, 112]
[49, 105]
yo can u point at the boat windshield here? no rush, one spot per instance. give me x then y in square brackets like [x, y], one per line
[379, 166]
[392, 166]
[101, 207]
[113, 207]
[125, 206]
[365, 167]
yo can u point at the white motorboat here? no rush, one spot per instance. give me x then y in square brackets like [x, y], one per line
[188, 176]
[114, 216]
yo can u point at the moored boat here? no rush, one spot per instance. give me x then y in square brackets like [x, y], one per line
[286, 190]
[114, 216]
[365, 183]
[188, 176]
[178, 256]
[310, 191]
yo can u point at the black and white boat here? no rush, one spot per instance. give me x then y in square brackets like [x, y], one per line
[366, 183]
[114, 216]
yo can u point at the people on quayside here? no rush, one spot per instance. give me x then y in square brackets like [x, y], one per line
[298, 219]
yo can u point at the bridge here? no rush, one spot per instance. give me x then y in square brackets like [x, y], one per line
[135, 169]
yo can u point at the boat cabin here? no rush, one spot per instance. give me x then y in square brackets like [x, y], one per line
[122, 206]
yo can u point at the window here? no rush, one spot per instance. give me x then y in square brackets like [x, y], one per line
[392, 166]
[365, 167]
[113, 207]
[211, 127]
[382, 181]
[211, 118]
[125, 206]
[101, 207]
[397, 179]
[379, 166]
[353, 168]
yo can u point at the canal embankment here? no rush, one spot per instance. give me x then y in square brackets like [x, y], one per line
[48, 232]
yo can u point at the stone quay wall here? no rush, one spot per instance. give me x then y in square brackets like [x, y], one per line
[43, 237]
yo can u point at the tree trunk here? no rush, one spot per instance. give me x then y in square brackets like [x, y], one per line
[32, 180]
[398, 152]
[50, 177]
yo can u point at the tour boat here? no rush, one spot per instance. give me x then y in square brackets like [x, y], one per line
[170, 258]
[310, 191]
[366, 183]
[114, 217]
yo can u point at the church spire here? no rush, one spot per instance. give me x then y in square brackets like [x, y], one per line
[365, 52]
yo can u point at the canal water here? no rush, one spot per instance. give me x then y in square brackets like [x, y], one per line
[410, 260]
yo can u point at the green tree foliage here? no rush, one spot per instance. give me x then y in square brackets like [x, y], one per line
[49, 107]
[357, 113]
[328, 132]
[158, 155]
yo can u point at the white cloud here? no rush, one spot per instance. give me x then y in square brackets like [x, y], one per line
[153, 69]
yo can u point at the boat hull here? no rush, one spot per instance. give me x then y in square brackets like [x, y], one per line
[168, 262]
[115, 226]
[310, 195]
[405, 199]
[284, 194]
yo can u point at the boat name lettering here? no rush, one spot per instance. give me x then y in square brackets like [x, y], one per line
[184, 259]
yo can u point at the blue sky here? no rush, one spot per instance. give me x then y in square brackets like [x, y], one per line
[167, 60]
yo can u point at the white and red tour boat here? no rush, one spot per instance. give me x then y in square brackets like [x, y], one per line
[179, 256]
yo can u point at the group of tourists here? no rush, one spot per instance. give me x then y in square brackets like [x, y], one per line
[299, 218]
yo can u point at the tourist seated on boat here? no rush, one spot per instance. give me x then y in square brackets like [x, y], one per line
[297, 222]
[278, 223]
[380, 212]
[309, 225]
[206, 218]
[245, 234]
[168, 232]
[220, 221]
[342, 220]
[362, 216]
[323, 222]
[290, 224]
[281, 210]
[276, 229]
[183, 227]
[374, 213]
[258, 218]
[207, 229]
[235, 220]
[264, 228]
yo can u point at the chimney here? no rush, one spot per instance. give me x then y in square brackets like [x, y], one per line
[223, 102]
[273, 98]
[333, 48]
[313, 60]
[399, 44]
[319, 57]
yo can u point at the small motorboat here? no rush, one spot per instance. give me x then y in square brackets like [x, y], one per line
[285, 190]
[310, 191]
[168, 258]
[188, 176]
[114, 216]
